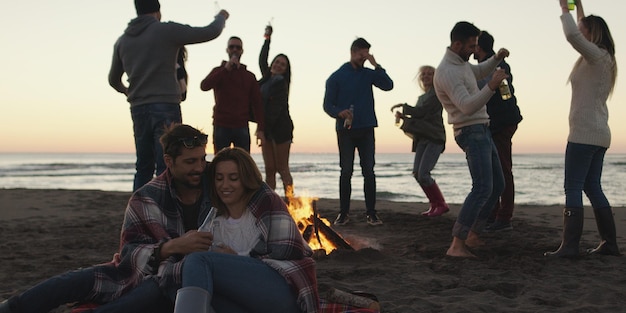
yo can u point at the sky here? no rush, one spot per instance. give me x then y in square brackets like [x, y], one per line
[57, 54]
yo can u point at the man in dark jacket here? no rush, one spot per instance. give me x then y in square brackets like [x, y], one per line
[504, 115]
[147, 53]
[237, 101]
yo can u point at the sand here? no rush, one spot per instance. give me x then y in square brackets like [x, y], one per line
[47, 232]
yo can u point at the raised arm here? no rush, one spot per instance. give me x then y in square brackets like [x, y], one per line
[580, 12]
[265, 51]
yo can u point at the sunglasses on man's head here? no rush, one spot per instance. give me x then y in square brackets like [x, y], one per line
[195, 141]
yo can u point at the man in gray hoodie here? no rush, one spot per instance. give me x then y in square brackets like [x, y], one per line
[147, 53]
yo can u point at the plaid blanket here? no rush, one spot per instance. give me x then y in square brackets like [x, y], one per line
[282, 247]
[152, 216]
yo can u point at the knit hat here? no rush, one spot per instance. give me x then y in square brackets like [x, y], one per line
[147, 6]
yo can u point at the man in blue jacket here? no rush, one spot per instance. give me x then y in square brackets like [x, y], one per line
[349, 99]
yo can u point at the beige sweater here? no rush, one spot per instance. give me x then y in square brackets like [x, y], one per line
[591, 84]
[456, 88]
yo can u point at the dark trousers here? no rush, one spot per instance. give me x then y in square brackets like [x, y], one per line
[363, 141]
[149, 122]
[76, 286]
[503, 211]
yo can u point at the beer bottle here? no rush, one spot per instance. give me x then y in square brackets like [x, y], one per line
[505, 91]
[571, 5]
[347, 123]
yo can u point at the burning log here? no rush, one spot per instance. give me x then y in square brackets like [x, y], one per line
[332, 236]
[316, 221]
[307, 232]
[313, 228]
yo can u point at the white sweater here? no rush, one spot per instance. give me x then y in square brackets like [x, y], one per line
[457, 89]
[591, 84]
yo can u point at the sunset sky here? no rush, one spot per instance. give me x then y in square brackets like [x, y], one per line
[56, 98]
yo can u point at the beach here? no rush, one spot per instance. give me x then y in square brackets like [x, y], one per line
[47, 232]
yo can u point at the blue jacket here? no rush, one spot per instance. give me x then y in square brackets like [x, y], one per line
[349, 86]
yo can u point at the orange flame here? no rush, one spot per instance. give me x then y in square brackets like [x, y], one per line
[301, 209]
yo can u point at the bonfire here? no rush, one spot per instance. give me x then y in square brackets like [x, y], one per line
[315, 230]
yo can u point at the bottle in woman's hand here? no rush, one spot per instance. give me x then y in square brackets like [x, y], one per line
[268, 31]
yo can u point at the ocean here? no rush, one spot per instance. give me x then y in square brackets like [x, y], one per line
[538, 177]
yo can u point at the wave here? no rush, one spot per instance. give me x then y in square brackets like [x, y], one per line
[538, 178]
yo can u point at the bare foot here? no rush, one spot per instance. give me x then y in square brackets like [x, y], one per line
[460, 253]
[473, 241]
[458, 249]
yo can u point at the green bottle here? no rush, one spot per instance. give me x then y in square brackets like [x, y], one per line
[571, 5]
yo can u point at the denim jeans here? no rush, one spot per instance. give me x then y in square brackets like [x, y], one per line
[149, 122]
[503, 210]
[362, 140]
[76, 286]
[223, 137]
[426, 156]
[239, 283]
[487, 179]
[583, 172]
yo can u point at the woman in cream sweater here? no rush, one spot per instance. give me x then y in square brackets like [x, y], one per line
[592, 79]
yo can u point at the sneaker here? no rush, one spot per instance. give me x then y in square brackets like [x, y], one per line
[342, 219]
[374, 220]
[498, 226]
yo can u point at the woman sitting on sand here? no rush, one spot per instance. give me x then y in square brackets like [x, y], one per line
[258, 261]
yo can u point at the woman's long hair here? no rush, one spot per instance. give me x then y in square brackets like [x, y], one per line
[287, 75]
[249, 174]
[601, 36]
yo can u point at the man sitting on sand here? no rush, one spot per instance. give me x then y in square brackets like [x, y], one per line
[159, 229]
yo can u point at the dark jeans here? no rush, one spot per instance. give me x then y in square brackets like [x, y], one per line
[487, 179]
[149, 122]
[362, 140]
[503, 210]
[426, 156]
[76, 286]
[223, 137]
[583, 172]
[239, 283]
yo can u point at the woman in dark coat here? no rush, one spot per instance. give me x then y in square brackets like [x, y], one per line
[278, 124]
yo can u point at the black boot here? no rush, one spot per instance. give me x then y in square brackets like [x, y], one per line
[572, 230]
[606, 228]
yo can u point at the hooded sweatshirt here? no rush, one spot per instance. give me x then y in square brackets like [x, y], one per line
[147, 53]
